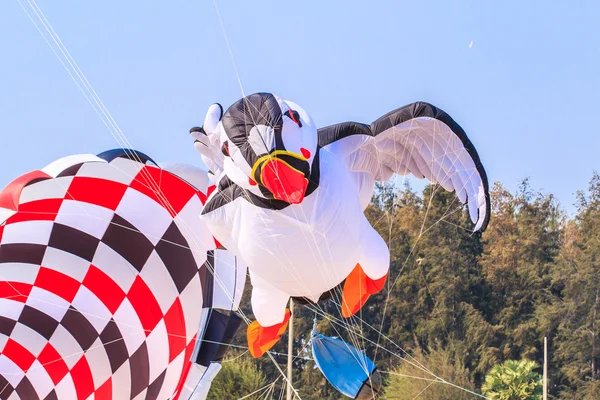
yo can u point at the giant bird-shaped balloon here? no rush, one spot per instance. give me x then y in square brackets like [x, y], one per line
[290, 198]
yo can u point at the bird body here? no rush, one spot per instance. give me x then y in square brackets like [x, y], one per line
[290, 198]
[305, 249]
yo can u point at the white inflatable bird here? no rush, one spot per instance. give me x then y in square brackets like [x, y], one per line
[290, 197]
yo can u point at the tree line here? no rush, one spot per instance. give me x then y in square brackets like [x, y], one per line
[457, 303]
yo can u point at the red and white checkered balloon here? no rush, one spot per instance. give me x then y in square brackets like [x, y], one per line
[102, 261]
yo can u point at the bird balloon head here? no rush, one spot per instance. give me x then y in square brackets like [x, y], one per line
[269, 146]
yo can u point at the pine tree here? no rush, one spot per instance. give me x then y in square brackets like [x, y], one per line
[408, 381]
[521, 247]
[576, 309]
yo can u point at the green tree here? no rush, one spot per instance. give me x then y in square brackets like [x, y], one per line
[513, 380]
[467, 301]
[575, 313]
[408, 381]
[521, 247]
[238, 378]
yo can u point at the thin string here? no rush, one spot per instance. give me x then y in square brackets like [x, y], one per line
[98, 102]
[239, 81]
[293, 269]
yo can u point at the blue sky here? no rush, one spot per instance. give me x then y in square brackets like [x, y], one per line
[526, 91]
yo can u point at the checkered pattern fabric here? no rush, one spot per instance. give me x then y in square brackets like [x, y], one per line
[223, 278]
[100, 281]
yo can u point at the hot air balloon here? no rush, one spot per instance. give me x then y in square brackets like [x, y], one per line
[110, 283]
[290, 197]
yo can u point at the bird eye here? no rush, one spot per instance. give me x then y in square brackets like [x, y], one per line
[294, 116]
[225, 149]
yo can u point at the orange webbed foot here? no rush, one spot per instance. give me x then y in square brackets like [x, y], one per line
[261, 339]
[357, 290]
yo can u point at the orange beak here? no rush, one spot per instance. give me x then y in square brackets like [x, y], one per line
[285, 182]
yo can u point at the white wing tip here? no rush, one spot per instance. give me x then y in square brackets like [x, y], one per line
[479, 224]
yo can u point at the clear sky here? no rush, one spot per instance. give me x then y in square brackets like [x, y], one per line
[526, 90]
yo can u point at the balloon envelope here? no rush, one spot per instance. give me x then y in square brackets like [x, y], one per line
[106, 289]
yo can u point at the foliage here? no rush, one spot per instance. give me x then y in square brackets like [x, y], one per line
[466, 302]
[238, 377]
[513, 380]
[408, 380]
